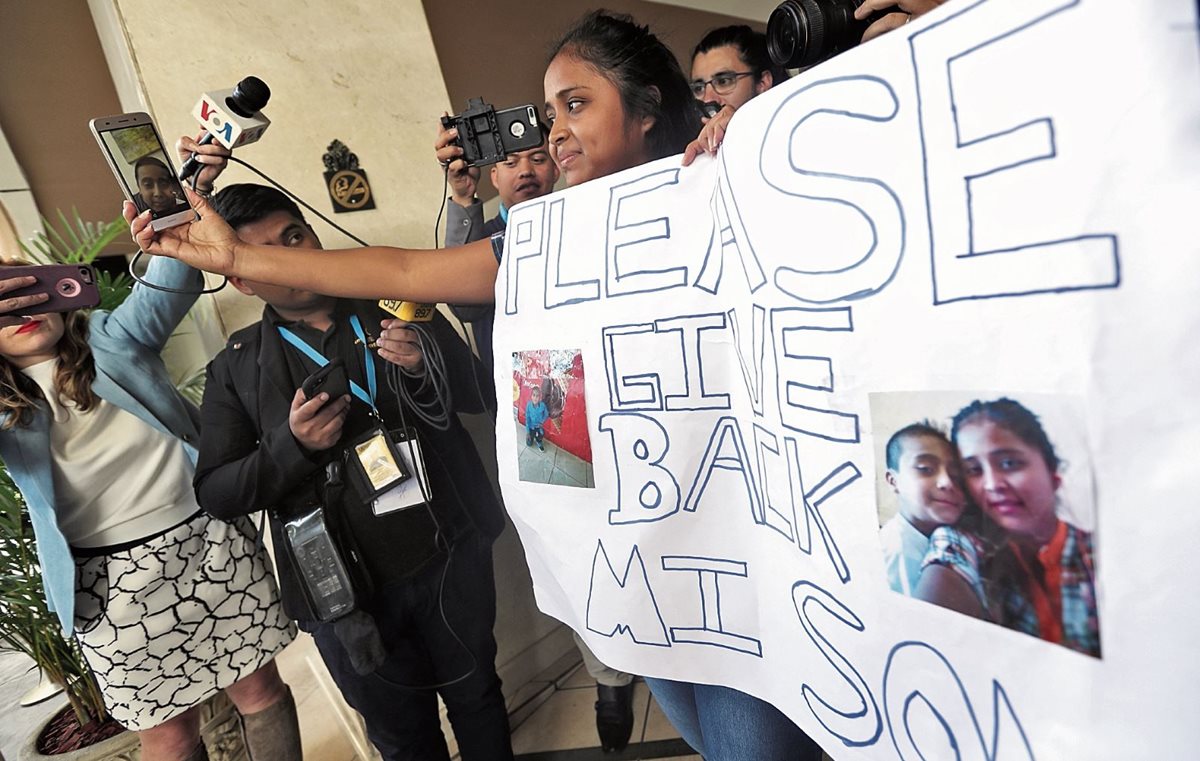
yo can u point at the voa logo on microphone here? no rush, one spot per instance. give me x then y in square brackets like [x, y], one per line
[224, 129]
[227, 128]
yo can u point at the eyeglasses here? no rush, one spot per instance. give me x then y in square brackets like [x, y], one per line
[722, 83]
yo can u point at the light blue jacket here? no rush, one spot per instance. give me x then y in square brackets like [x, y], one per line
[130, 374]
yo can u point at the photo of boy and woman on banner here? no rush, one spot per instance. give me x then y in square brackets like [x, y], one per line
[986, 507]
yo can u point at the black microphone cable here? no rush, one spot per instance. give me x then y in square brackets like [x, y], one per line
[396, 383]
[225, 280]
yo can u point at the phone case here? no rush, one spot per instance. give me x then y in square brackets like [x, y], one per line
[71, 286]
[331, 379]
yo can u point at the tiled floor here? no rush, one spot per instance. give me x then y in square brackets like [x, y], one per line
[564, 727]
[552, 466]
[557, 725]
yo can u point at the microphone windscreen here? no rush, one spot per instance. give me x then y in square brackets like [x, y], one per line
[249, 97]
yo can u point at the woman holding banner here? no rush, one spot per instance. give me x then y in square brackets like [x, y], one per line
[616, 98]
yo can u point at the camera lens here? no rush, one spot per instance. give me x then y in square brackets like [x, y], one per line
[68, 288]
[802, 33]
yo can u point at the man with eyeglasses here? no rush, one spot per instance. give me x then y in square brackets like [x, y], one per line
[731, 65]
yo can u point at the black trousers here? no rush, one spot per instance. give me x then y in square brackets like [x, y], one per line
[401, 716]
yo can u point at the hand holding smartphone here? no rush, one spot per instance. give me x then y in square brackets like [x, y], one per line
[65, 286]
[135, 153]
[330, 379]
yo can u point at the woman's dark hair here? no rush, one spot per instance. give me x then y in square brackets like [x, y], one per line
[643, 70]
[751, 47]
[1012, 416]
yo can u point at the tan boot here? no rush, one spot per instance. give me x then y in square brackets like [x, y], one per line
[273, 734]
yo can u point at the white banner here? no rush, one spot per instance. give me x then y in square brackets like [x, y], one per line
[995, 202]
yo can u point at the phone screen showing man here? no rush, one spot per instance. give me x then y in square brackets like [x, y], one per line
[141, 163]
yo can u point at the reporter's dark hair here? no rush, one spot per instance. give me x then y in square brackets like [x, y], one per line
[644, 71]
[751, 47]
[895, 444]
[248, 202]
[150, 161]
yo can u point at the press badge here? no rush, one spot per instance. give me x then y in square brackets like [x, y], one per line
[376, 464]
[413, 491]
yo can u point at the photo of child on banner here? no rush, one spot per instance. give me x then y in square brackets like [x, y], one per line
[985, 507]
[551, 418]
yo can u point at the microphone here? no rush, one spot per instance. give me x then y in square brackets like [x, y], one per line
[231, 117]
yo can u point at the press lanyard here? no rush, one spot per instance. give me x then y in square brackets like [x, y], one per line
[321, 361]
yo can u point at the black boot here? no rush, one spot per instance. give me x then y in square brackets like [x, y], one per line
[614, 716]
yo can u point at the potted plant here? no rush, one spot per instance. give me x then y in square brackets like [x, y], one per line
[82, 729]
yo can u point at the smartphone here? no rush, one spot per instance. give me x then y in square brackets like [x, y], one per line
[136, 155]
[71, 286]
[488, 136]
[331, 379]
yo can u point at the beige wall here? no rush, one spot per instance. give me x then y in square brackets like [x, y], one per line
[53, 79]
[363, 72]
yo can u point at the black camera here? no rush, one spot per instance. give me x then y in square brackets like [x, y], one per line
[488, 136]
[802, 33]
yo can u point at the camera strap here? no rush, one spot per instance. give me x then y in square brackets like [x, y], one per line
[367, 396]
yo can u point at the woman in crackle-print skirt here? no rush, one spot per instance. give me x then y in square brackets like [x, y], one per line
[168, 604]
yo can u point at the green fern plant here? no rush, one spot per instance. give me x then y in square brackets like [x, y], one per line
[76, 242]
[26, 625]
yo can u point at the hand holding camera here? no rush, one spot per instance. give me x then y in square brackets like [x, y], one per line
[486, 136]
[804, 33]
[463, 179]
[900, 14]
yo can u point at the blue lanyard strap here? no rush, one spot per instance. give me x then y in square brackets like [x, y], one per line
[321, 361]
[368, 360]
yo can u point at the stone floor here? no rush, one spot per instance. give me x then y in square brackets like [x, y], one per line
[558, 726]
[16, 678]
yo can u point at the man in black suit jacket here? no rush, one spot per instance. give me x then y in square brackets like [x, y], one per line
[425, 572]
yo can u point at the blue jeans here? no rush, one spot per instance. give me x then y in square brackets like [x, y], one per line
[402, 722]
[723, 724]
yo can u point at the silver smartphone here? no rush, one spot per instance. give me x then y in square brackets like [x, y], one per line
[135, 153]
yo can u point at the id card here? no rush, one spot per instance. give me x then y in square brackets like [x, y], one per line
[375, 464]
[413, 491]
